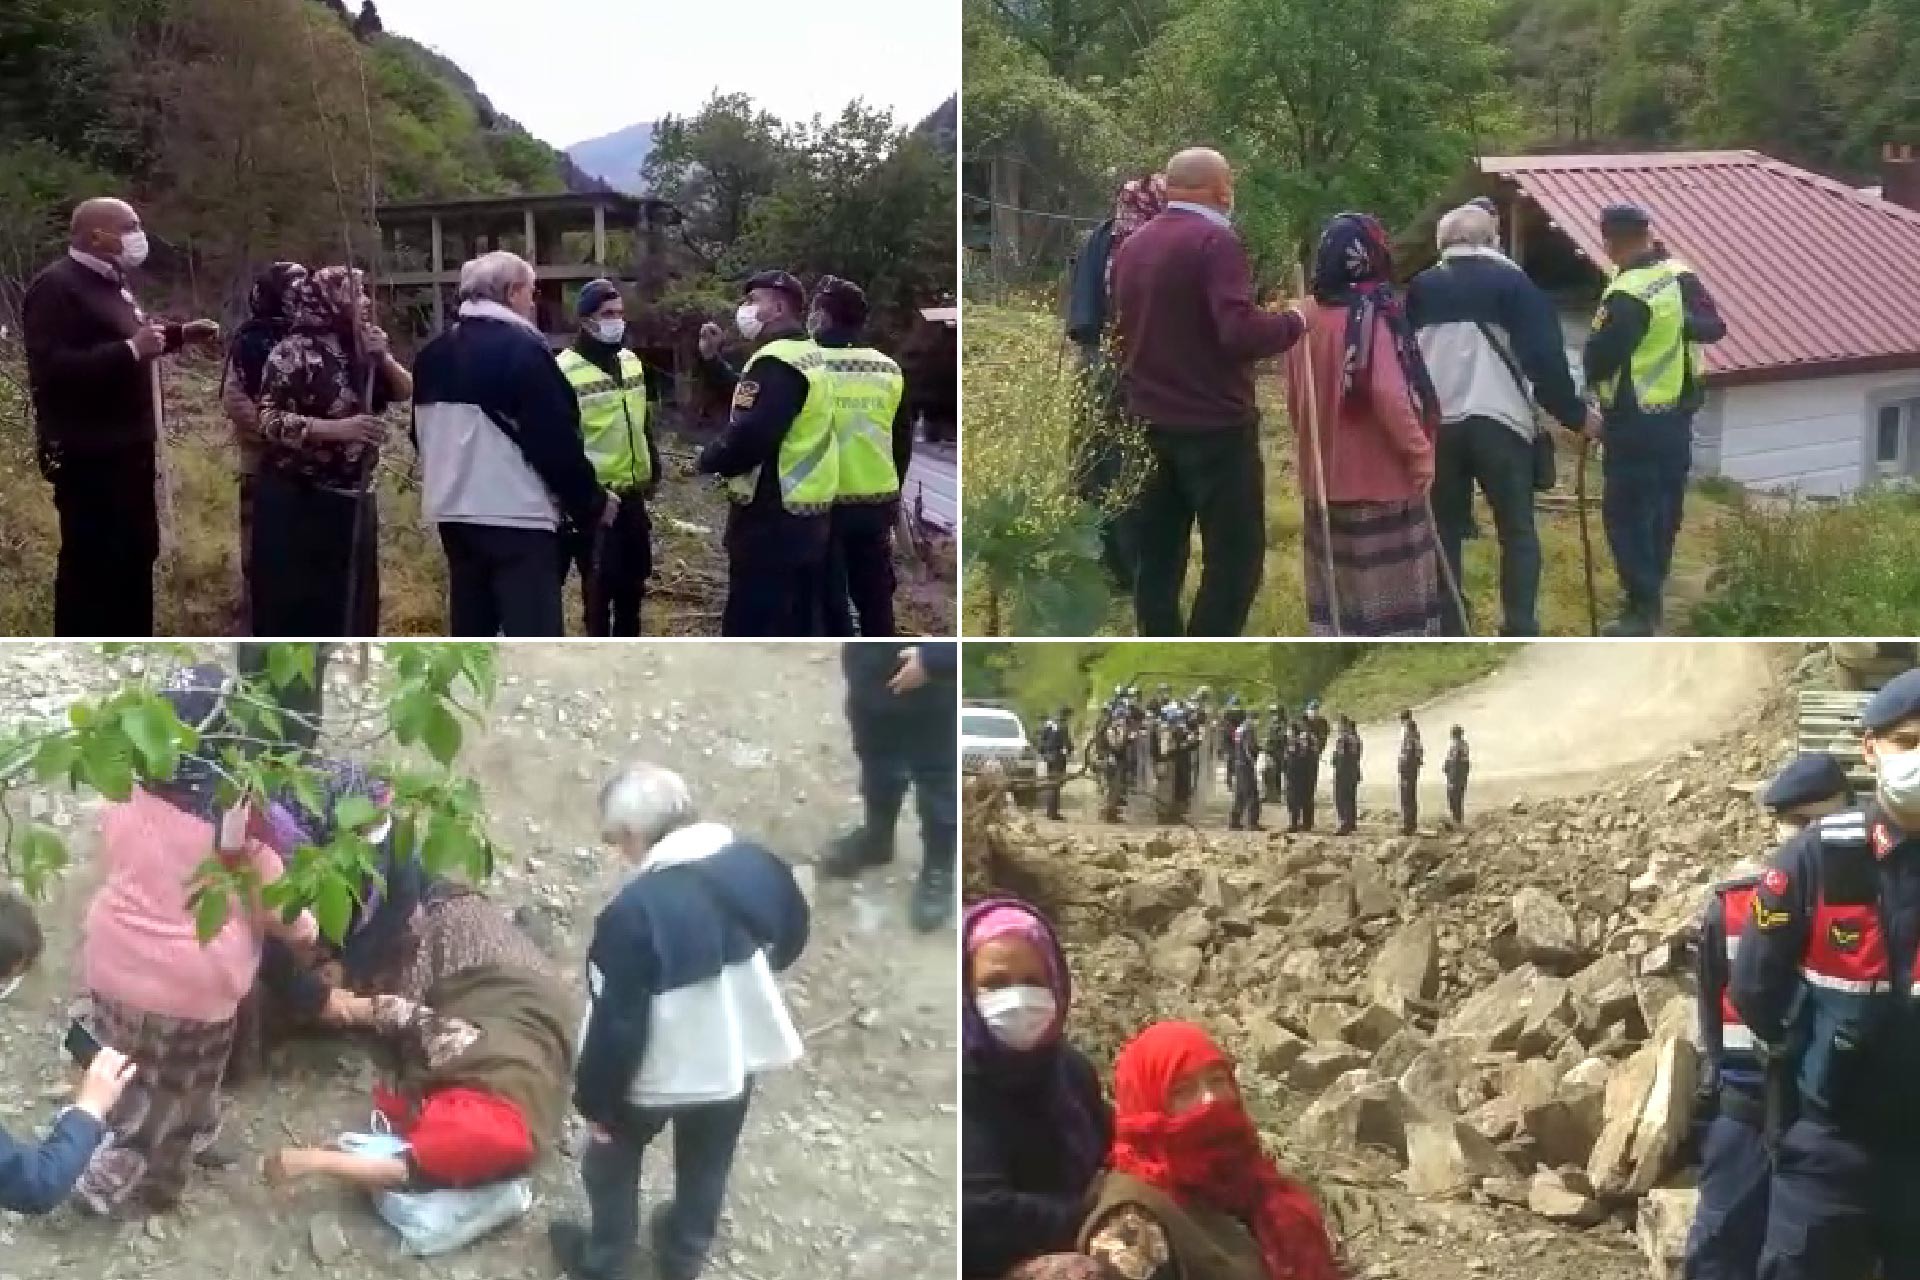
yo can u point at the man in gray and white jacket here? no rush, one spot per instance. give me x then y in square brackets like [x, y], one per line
[1493, 345]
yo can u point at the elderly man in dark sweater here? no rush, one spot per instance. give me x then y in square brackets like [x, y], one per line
[96, 405]
[1189, 336]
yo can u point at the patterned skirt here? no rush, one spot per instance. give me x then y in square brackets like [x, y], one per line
[1386, 571]
[168, 1114]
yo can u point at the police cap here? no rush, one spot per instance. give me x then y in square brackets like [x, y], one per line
[1807, 779]
[781, 282]
[841, 301]
[1624, 218]
[1898, 700]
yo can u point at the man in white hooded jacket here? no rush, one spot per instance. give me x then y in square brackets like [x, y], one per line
[684, 1015]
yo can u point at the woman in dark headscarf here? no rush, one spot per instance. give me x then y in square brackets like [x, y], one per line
[1364, 414]
[154, 990]
[1189, 1194]
[316, 530]
[1035, 1124]
[265, 325]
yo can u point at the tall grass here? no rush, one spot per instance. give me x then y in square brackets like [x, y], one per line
[1840, 569]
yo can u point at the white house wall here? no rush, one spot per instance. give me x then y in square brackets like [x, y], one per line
[1810, 436]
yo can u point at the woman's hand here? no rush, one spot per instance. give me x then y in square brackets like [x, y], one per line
[362, 428]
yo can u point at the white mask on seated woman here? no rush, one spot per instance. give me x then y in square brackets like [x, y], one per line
[1018, 1017]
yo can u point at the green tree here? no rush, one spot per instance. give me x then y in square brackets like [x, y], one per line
[412, 737]
[1761, 81]
[715, 164]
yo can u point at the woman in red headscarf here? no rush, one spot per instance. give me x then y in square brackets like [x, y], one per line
[1188, 1193]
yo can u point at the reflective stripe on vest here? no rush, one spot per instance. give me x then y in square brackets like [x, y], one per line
[613, 418]
[808, 462]
[864, 387]
[1736, 907]
[1660, 364]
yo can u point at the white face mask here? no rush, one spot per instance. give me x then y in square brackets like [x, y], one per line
[747, 321]
[611, 332]
[1899, 778]
[380, 832]
[11, 985]
[1018, 1017]
[133, 248]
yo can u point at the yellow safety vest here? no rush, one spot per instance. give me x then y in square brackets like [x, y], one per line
[864, 388]
[808, 462]
[613, 418]
[1662, 362]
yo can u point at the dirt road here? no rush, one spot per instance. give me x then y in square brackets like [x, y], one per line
[1562, 718]
[847, 1164]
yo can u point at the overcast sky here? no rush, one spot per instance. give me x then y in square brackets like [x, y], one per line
[647, 58]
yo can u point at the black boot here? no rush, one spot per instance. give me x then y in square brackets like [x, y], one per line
[932, 898]
[853, 853]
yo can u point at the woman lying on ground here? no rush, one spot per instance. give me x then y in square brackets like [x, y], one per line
[481, 1026]
[1370, 420]
[1036, 1126]
[1189, 1194]
[154, 991]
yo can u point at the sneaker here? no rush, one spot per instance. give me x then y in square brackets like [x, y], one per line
[932, 899]
[570, 1242]
[853, 853]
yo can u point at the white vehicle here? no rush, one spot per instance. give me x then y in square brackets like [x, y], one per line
[994, 735]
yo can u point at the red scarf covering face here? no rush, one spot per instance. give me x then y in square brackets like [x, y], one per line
[1211, 1154]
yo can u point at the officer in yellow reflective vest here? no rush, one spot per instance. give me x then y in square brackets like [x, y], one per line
[780, 463]
[873, 432]
[615, 560]
[1643, 366]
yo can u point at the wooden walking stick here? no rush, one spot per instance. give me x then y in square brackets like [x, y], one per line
[1586, 537]
[1319, 459]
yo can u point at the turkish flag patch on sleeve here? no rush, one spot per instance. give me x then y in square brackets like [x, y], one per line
[1774, 882]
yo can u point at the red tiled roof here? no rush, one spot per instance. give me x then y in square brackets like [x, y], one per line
[1809, 273]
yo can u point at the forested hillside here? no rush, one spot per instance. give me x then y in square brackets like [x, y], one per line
[242, 128]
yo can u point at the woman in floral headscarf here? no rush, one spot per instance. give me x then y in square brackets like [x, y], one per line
[316, 529]
[1364, 415]
[253, 341]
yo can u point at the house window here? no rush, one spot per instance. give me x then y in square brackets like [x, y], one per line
[1889, 438]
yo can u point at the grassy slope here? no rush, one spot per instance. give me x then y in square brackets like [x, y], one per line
[1004, 335]
[196, 592]
[1391, 676]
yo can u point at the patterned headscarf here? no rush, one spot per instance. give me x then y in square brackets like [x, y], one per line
[1138, 202]
[327, 301]
[1354, 269]
[267, 322]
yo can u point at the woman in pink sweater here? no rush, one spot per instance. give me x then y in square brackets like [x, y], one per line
[1370, 418]
[156, 992]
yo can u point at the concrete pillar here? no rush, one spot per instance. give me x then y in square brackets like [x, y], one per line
[439, 301]
[600, 236]
[533, 244]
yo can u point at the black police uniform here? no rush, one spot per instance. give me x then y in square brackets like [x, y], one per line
[1346, 781]
[1412, 756]
[1456, 767]
[1056, 748]
[1826, 977]
[1244, 761]
[902, 740]
[1302, 774]
[859, 572]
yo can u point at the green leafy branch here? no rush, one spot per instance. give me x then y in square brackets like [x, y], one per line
[131, 737]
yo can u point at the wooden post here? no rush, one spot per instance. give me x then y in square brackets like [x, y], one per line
[600, 236]
[533, 246]
[439, 302]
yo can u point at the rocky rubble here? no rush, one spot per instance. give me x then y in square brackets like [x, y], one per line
[1499, 1017]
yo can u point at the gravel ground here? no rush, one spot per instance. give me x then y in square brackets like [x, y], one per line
[847, 1164]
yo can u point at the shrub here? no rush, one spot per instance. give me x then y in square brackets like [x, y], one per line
[1799, 568]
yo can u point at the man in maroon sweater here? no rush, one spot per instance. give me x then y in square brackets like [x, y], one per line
[1189, 336]
[90, 354]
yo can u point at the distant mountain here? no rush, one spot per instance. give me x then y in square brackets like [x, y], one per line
[943, 126]
[617, 157]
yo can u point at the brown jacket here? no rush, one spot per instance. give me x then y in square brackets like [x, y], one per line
[91, 395]
[525, 1051]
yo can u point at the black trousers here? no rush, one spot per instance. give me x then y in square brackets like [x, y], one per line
[898, 751]
[1214, 477]
[310, 577]
[612, 590]
[1409, 804]
[859, 572]
[1346, 799]
[503, 581]
[1246, 800]
[1300, 787]
[781, 599]
[1056, 775]
[1457, 798]
[109, 540]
